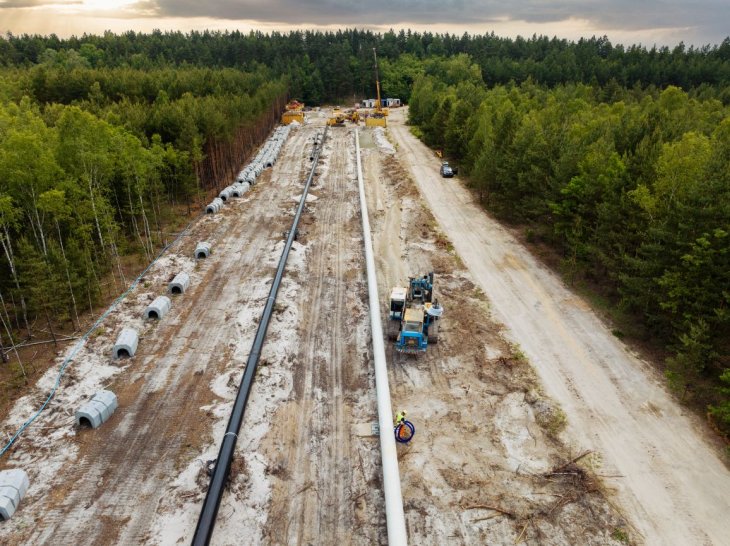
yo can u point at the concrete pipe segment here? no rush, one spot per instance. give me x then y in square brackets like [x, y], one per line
[243, 174]
[158, 308]
[202, 251]
[180, 283]
[13, 487]
[215, 206]
[97, 410]
[126, 344]
[240, 189]
[225, 194]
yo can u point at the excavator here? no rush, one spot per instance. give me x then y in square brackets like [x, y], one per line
[352, 115]
[377, 118]
[337, 119]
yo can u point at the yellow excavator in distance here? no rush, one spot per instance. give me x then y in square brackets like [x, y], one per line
[337, 119]
[352, 115]
[377, 118]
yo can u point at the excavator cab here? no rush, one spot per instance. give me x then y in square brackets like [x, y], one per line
[412, 338]
[421, 288]
[397, 308]
[397, 302]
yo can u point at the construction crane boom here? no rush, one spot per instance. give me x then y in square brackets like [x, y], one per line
[377, 118]
[379, 104]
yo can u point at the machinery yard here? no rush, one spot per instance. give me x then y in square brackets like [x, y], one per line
[512, 444]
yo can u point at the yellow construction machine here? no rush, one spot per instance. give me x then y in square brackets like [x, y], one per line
[377, 118]
[337, 119]
[294, 112]
[353, 116]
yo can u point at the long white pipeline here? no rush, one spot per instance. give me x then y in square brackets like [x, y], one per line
[394, 517]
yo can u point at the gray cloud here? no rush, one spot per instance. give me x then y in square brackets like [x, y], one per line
[335, 12]
[694, 21]
[613, 14]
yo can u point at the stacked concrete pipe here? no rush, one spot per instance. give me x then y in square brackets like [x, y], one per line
[266, 156]
[225, 194]
[215, 206]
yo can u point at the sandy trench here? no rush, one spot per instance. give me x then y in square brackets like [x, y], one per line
[308, 468]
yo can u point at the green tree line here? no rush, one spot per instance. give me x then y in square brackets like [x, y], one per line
[338, 66]
[630, 186]
[97, 165]
[615, 155]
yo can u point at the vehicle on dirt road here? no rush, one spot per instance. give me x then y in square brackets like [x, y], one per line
[446, 170]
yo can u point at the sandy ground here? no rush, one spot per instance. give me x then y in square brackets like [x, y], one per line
[480, 468]
[322, 467]
[666, 476]
[129, 480]
[486, 465]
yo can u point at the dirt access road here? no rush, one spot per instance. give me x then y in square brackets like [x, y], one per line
[672, 484]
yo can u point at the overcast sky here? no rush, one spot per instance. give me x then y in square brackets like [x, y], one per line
[649, 22]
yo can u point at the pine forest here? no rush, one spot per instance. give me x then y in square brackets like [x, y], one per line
[613, 162]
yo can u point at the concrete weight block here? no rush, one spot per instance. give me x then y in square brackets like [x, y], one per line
[202, 250]
[180, 283]
[97, 410]
[158, 308]
[126, 344]
[14, 485]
